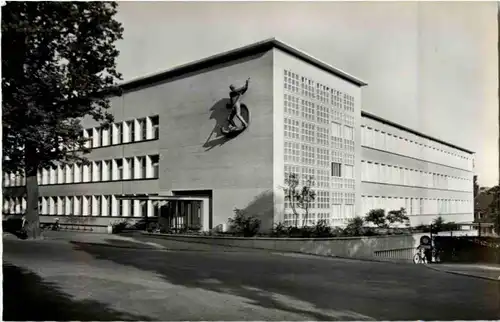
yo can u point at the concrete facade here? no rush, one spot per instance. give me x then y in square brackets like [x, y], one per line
[305, 118]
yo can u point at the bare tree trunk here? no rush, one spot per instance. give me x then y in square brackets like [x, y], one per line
[32, 217]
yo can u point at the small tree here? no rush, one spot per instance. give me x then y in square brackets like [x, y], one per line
[306, 199]
[377, 217]
[438, 224]
[398, 216]
[299, 197]
[354, 227]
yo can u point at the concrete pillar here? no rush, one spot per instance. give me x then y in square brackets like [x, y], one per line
[95, 138]
[125, 132]
[105, 136]
[85, 206]
[137, 130]
[114, 206]
[125, 208]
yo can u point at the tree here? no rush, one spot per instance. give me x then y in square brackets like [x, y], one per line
[377, 217]
[58, 66]
[397, 216]
[493, 214]
[299, 197]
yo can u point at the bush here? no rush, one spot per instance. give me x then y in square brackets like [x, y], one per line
[119, 226]
[354, 227]
[321, 229]
[279, 230]
[243, 224]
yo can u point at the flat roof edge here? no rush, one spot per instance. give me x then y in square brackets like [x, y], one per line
[234, 54]
[404, 128]
[317, 62]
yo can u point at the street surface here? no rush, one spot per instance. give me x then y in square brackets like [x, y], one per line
[56, 280]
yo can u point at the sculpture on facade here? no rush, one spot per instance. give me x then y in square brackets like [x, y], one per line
[236, 107]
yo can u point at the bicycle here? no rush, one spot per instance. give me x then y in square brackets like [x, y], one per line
[419, 257]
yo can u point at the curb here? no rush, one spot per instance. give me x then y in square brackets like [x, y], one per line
[463, 274]
[75, 242]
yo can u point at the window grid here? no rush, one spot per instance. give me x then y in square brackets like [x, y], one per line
[322, 114]
[308, 155]
[308, 131]
[322, 136]
[292, 152]
[307, 108]
[307, 87]
[292, 128]
[291, 105]
[291, 81]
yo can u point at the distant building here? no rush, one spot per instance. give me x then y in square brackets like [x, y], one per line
[165, 153]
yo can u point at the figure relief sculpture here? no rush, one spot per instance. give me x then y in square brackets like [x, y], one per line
[236, 106]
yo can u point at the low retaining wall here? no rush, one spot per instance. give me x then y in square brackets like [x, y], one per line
[386, 248]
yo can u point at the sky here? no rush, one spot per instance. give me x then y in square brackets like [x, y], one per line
[430, 66]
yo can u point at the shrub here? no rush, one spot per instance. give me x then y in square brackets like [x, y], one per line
[119, 226]
[243, 224]
[321, 229]
[279, 230]
[354, 227]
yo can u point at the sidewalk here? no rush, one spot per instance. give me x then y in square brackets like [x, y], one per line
[484, 271]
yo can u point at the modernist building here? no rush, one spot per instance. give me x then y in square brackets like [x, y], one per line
[165, 151]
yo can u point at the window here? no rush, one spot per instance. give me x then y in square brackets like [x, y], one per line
[119, 169]
[142, 129]
[118, 133]
[155, 122]
[130, 172]
[107, 170]
[89, 133]
[131, 132]
[336, 130]
[155, 162]
[348, 132]
[142, 167]
[336, 169]
[348, 171]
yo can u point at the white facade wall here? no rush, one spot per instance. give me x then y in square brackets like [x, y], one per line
[400, 169]
[317, 135]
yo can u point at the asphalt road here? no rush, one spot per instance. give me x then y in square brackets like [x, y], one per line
[53, 280]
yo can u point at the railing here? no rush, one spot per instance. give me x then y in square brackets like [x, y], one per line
[404, 254]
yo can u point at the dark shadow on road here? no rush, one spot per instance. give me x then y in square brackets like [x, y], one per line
[321, 289]
[27, 297]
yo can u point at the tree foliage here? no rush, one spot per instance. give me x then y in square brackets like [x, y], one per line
[397, 217]
[376, 217]
[302, 197]
[493, 214]
[57, 60]
[58, 66]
